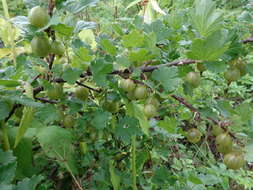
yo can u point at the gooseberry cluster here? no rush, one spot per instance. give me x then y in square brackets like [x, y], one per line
[233, 159]
[40, 44]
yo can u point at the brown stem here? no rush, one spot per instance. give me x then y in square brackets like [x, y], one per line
[12, 112]
[223, 125]
[90, 88]
[248, 40]
[44, 100]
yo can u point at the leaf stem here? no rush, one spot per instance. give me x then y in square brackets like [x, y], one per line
[133, 162]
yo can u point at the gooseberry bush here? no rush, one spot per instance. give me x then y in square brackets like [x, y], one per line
[113, 94]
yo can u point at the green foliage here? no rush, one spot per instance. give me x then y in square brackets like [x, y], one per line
[102, 95]
[57, 144]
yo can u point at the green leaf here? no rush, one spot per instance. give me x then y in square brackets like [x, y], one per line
[76, 6]
[27, 118]
[195, 179]
[100, 69]
[6, 157]
[169, 124]
[135, 110]
[48, 113]
[162, 176]
[115, 179]
[108, 47]
[6, 187]
[139, 56]
[84, 55]
[7, 167]
[210, 48]
[249, 152]
[83, 25]
[57, 144]
[29, 184]
[100, 119]
[9, 83]
[161, 32]
[225, 108]
[126, 128]
[205, 18]
[168, 77]
[63, 29]
[25, 101]
[7, 172]
[71, 75]
[216, 67]
[134, 39]
[23, 153]
[245, 111]
[5, 108]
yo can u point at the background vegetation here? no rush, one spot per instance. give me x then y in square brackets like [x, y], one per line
[113, 94]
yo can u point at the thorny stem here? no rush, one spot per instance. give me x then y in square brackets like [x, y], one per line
[223, 125]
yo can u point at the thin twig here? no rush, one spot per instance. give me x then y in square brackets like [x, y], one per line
[44, 100]
[248, 40]
[90, 88]
[223, 125]
[16, 106]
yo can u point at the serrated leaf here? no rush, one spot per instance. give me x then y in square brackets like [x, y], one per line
[126, 128]
[25, 101]
[57, 144]
[205, 18]
[108, 47]
[100, 69]
[64, 29]
[25, 123]
[210, 48]
[23, 153]
[135, 110]
[169, 124]
[6, 157]
[7, 172]
[216, 66]
[100, 119]
[139, 56]
[159, 29]
[5, 108]
[134, 39]
[225, 108]
[167, 77]
[84, 54]
[48, 113]
[29, 184]
[71, 75]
